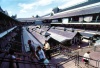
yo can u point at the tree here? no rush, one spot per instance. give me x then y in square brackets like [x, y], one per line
[32, 16]
[51, 14]
[37, 16]
[1, 9]
[14, 16]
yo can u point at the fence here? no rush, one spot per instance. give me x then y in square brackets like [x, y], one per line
[72, 56]
[92, 63]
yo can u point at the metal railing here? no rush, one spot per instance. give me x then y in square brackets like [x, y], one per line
[60, 49]
[36, 64]
[92, 62]
[18, 62]
[71, 56]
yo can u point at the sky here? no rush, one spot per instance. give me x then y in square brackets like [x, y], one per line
[29, 8]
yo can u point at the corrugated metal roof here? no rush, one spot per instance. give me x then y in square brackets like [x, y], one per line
[25, 19]
[29, 19]
[58, 37]
[88, 2]
[76, 12]
[6, 32]
[86, 34]
[80, 12]
[67, 34]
